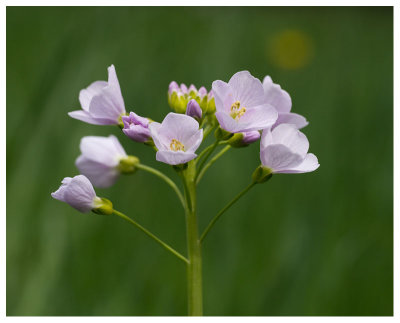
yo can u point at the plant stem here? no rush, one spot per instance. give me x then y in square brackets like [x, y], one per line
[165, 178]
[151, 235]
[215, 219]
[194, 270]
[212, 161]
[205, 150]
[207, 131]
[210, 150]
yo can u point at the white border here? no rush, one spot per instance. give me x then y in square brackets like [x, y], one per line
[203, 3]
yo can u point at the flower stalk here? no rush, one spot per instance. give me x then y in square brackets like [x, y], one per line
[194, 267]
[151, 235]
[215, 219]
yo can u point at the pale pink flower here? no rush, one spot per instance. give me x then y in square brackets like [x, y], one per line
[284, 150]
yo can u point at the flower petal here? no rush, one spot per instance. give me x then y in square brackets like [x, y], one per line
[99, 174]
[174, 157]
[106, 106]
[223, 96]
[289, 136]
[275, 96]
[86, 117]
[80, 194]
[279, 157]
[104, 150]
[227, 122]
[193, 142]
[115, 89]
[247, 89]
[309, 164]
[159, 141]
[59, 194]
[266, 139]
[180, 127]
[292, 118]
[86, 95]
[259, 117]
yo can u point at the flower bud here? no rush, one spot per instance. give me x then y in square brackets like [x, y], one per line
[261, 174]
[210, 103]
[243, 139]
[136, 127]
[127, 165]
[103, 206]
[193, 109]
[236, 140]
[250, 137]
[79, 193]
[192, 91]
[179, 96]
[221, 134]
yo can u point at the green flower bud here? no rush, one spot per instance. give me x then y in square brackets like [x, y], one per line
[203, 104]
[261, 174]
[181, 104]
[222, 134]
[127, 165]
[211, 106]
[236, 140]
[103, 206]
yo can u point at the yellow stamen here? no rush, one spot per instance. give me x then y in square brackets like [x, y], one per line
[176, 145]
[236, 111]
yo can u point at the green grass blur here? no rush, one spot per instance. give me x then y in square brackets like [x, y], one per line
[310, 244]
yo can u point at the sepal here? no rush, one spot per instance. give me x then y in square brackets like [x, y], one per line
[127, 165]
[103, 206]
[261, 174]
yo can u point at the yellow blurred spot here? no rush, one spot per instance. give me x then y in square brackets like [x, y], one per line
[290, 49]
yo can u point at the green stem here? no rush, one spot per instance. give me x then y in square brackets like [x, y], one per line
[205, 150]
[210, 150]
[212, 161]
[215, 219]
[194, 271]
[207, 131]
[165, 178]
[162, 243]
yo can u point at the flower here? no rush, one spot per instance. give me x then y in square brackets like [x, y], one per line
[176, 138]
[280, 99]
[103, 159]
[79, 193]
[101, 102]
[193, 109]
[136, 127]
[284, 150]
[241, 105]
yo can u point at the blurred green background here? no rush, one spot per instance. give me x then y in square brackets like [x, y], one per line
[310, 244]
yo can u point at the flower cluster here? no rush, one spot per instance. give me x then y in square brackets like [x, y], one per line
[243, 110]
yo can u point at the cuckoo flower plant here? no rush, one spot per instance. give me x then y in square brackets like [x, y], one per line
[236, 113]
